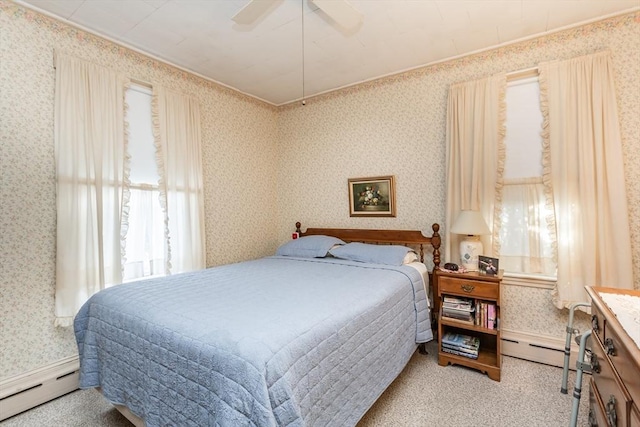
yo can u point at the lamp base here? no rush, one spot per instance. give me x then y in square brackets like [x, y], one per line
[470, 248]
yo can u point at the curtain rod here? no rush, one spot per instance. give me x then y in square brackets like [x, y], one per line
[141, 83]
[132, 80]
[522, 74]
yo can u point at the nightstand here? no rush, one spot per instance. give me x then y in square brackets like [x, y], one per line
[483, 293]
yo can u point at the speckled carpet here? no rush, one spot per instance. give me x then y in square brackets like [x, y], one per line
[425, 394]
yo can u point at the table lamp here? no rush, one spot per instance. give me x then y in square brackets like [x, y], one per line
[472, 225]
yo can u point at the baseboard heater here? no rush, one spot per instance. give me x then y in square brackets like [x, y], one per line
[536, 348]
[25, 391]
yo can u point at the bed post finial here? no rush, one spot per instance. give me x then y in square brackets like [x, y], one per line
[298, 225]
[435, 242]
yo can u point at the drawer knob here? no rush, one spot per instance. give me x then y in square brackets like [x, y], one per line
[611, 349]
[595, 364]
[612, 417]
[468, 288]
[594, 323]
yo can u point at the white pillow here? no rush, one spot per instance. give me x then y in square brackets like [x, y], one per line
[410, 257]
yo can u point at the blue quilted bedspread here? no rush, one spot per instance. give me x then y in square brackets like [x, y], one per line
[277, 341]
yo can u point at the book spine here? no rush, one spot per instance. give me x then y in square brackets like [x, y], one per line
[491, 316]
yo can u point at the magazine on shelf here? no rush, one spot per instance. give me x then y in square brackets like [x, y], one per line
[460, 309]
[458, 312]
[466, 320]
[461, 340]
[457, 301]
[466, 311]
[470, 321]
[459, 353]
[460, 349]
[460, 301]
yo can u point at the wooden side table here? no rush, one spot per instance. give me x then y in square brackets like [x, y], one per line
[478, 288]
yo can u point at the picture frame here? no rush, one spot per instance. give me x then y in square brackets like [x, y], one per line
[488, 265]
[372, 197]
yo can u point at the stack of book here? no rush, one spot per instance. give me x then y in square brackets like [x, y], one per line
[460, 309]
[486, 315]
[461, 345]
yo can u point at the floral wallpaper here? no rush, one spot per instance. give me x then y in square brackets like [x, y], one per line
[239, 152]
[396, 126]
[265, 167]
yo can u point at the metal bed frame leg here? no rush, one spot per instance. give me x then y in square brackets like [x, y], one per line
[580, 366]
[567, 346]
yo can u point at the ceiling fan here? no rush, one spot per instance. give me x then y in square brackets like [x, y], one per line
[340, 11]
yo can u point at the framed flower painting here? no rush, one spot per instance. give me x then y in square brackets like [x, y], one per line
[372, 196]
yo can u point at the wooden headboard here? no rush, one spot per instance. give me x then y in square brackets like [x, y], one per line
[412, 238]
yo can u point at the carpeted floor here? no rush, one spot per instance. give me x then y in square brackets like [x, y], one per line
[425, 394]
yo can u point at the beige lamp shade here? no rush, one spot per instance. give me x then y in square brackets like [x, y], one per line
[471, 223]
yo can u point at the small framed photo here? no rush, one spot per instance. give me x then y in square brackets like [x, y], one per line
[372, 196]
[488, 265]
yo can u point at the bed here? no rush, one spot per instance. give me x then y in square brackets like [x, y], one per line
[308, 337]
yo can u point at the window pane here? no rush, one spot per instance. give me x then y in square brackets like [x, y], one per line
[145, 237]
[524, 235]
[525, 242]
[141, 146]
[523, 139]
[145, 240]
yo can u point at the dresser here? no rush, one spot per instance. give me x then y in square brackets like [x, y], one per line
[614, 394]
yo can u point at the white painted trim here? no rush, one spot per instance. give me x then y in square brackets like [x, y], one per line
[25, 391]
[538, 348]
[540, 282]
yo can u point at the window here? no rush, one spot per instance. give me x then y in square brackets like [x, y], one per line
[109, 190]
[145, 238]
[525, 241]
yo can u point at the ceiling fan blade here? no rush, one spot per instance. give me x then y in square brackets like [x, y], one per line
[252, 11]
[340, 11]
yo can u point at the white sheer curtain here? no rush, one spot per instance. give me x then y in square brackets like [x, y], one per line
[525, 241]
[91, 176]
[178, 144]
[145, 237]
[584, 166]
[475, 154]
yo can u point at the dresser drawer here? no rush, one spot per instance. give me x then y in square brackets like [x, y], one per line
[616, 402]
[596, 408]
[622, 361]
[470, 288]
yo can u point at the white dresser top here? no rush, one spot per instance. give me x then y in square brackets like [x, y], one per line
[627, 310]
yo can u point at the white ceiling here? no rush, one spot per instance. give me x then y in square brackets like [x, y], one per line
[265, 58]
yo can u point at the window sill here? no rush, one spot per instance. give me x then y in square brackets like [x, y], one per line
[529, 280]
